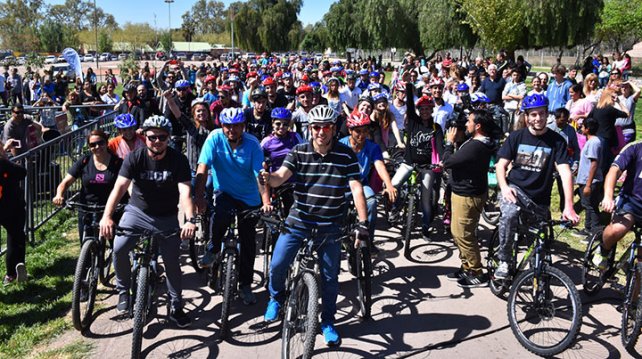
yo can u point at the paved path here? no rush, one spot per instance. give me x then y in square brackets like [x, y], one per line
[416, 313]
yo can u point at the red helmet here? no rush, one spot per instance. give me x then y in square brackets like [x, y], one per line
[268, 81]
[425, 100]
[210, 78]
[252, 74]
[224, 88]
[436, 82]
[358, 119]
[400, 86]
[303, 89]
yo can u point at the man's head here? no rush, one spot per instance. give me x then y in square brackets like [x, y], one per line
[536, 108]
[224, 94]
[259, 100]
[590, 126]
[141, 90]
[17, 112]
[492, 71]
[559, 73]
[157, 130]
[233, 122]
[561, 117]
[304, 95]
[358, 123]
[322, 121]
[480, 122]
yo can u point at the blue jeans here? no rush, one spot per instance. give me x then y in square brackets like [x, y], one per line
[371, 205]
[330, 262]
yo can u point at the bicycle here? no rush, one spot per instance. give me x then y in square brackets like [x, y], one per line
[145, 279]
[534, 298]
[630, 262]
[490, 212]
[270, 235]
[93, 265]
[198, 244]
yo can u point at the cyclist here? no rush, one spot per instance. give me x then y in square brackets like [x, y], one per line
[423, 137]
[627, 208]
[160, 179]
[323, 169]
[278, 144]
[369, 155]
[534, 152]
[257, 117]
[127, 139]
[235, 159]
[300, 115]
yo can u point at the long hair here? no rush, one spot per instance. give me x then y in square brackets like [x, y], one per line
[589, 77]
[209, 125]
[606, 99]
[383, 118]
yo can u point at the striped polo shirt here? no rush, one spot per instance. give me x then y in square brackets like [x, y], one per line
[320, 184]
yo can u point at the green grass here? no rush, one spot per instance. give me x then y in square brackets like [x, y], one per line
[35, 312]
[76, 350]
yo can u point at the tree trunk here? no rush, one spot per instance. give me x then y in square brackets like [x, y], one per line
[432, 54]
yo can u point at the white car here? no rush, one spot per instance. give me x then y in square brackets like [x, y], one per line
[21, 60]
[89, 58]
[122, 56]
[105, 56]
[60, 59]
[51, 59]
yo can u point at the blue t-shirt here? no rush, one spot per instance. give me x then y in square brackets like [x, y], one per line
[210, 97]
[630, 159]
[558, 94]
[234, 172]
[367, 157]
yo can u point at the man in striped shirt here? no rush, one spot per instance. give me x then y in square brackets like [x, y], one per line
[323, 169]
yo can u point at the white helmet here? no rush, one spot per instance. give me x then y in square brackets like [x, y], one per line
[157, 121]
[322, 114]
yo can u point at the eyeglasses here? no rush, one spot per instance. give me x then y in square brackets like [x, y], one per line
[182, 89]
[161, 138]
[96, 144]
[19, 112]
[615, 73]
[318, 128]
[278, 124]
[359, 130]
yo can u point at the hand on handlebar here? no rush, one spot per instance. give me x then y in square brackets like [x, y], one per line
[608, 205]
[509, 194]
[569, 214]
[264, 177]
[107, 227]
[392, 194]
[58, 200]
[267, 208]
[188, 230]
[360, 234]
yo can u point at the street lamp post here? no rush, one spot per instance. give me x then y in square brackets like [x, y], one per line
[169, 12]
[96, 33]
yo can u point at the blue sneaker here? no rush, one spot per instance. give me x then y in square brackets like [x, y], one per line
[330, 335]
[272, 311]
[208, 259]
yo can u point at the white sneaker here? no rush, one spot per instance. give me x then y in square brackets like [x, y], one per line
[501, 272]
[600, 260]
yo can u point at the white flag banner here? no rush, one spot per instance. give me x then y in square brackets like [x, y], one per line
[72, 58]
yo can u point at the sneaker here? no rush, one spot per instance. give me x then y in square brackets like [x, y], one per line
[501, 272]
[456, 275]
[582, 233]
[246, 294]
[185, 245]
[447, 218]
[601, 258]
[179, 317]
[394, 217]
[21, 273]
[425, 232]
[208, 259]
[8, 280]
[470, 280]
[272, 311]
[123, 303]
[330, 335]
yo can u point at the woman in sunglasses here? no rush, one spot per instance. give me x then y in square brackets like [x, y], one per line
[97, 172]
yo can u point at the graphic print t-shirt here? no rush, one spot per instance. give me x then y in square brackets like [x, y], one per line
[534, 159]
[96, 185]
[155, 183]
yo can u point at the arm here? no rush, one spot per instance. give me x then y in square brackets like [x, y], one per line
[62, 188]
[608, 205]
[360, 204]
[500, 171]
[380, 167]
[395, 132]
[275, 179]
[107, 223]
[199, 187]
[564, 171]
[185, 198]
[589, 179]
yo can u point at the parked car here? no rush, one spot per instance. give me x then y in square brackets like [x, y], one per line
[105, 56]
[318, 57]
[249, 56]
[66, 70]
[181, 56]
[51, 59]
[21, 60]
[89, 58]
[209, 58]
[60, 59]
[122, 56]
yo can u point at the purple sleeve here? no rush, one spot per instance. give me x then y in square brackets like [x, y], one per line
[626, 156]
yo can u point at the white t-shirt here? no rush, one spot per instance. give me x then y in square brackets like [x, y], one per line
[350, 97]
[440, 114]
[399, 113]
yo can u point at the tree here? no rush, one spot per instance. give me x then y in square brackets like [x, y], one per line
[206, 17]
[166, 41]
[345, 20]
[105, 43]
[621, 24]
[315, 38]
[498, 23]
[137, 35]
[441, 26]
[80, 15]
[19, 24]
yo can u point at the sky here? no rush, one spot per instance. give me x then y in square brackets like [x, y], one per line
[155, 12]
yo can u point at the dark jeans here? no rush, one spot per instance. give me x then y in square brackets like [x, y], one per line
[221, 220]
[13, 220]
[591, 205]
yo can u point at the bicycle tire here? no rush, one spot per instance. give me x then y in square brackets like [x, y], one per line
[301, 319]
[85, 278]
[490, 212]
[267, 252]
[141, 310]
[410, 223]
[632, 309]
[523, 286]
[592, 277]
[105, 261]
[364, 281]
[229, 286]
[499, 287]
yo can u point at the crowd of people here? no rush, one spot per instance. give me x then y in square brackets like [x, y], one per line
[333, 132]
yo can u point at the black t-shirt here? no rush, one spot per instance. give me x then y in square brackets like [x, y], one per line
[534, 159]
[279, 101]
[259, 127]
[155, 183]
[96, 185]
[606, 118]
[11, 196]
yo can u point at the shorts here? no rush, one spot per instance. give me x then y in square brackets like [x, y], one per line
[625, 204]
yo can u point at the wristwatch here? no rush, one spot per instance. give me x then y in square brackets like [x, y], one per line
[192, 220]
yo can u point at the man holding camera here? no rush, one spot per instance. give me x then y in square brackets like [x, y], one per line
[469, 181]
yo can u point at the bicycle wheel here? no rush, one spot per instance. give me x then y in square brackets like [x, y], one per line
[592, 277]
[141, 310]
[105, 261]
[229, 287]
[364, 280]
[300, 322]
[632, 309]
[490, 212]
[499, 287]
[410, 224]
[545, 311]
[83, 295]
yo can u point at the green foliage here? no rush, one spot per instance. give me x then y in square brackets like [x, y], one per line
[105, 43]
[137, 35]
[441, 26]
[345, 21]
[34, 60]
[81, 15]
[498, 23]
[315, 38]
[621, 24]
[261, 25]
[126, 67]
[206, 17]
[19, 24]
[165, 40]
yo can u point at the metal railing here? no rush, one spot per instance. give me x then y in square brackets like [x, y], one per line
[47, 164]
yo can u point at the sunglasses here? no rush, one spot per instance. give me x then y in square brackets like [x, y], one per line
[161, 138]
[183, 89]
[615, 73]
[318, 128]
[96, 144]
[19, 112]
[278, 124]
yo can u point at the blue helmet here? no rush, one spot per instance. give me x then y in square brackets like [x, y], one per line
[335, 69]
[181, 84]
[374, 74]
[281, 113]
[363, 72]
[286, 75]
[479, 98]
[125, 120]
[463, 87]
[231, 116]
[380, 97]
[534, 101]
[374, 87]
